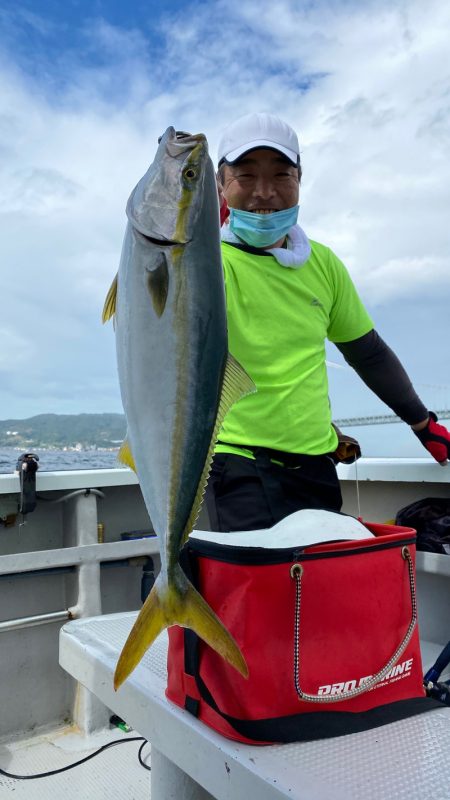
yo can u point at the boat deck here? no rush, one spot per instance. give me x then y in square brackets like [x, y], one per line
[407, 760]
[115, 773]
[56, 566]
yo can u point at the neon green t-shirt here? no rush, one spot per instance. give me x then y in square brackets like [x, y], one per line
[278, 320]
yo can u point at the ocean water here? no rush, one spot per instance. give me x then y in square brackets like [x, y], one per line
[376, 441]
[53, 460]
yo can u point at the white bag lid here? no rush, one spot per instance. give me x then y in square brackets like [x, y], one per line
[301, 529]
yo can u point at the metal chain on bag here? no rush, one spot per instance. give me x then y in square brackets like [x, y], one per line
[296, 572]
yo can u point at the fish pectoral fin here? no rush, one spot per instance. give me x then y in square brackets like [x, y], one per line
[158, 284]
[236, 384]
[125, 456]
[109, 309]
[176, 604]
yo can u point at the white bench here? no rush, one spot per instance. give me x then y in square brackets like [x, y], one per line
[406, 760]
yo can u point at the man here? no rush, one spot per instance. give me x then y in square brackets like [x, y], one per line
[285, 296]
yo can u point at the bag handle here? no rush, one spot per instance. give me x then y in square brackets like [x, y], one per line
[296, 574]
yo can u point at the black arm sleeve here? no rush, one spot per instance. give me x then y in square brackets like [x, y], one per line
[380, 369]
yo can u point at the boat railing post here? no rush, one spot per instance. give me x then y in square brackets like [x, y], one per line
[80, 521]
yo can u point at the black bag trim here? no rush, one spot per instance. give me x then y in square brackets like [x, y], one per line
[191, 640]
[319, 724]
[230, 554]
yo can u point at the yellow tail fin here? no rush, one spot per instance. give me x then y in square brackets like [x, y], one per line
[176, 604]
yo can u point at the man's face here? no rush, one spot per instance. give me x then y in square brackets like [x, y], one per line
[261, 181]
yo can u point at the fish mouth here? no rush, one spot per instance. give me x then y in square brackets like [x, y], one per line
[163, 242]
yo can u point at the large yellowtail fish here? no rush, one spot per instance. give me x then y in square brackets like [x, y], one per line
[176, 377]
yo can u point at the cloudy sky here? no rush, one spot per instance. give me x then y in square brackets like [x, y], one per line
[87, 87]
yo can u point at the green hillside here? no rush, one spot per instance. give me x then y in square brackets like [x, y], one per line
[63, 430]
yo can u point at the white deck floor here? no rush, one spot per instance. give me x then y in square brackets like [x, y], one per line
[114, 774]
[117, 775]
[405, 760]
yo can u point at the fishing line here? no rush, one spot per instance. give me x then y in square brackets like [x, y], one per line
[357, 489]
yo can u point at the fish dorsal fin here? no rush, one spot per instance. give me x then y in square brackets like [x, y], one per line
[158, 284]
[236, 384]
[125, 456]
[109, 309]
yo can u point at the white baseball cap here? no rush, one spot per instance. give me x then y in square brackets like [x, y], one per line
[258, 130]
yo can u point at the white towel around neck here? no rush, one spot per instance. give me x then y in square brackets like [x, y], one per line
[296, 253]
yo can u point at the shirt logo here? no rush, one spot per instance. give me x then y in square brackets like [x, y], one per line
[316, 302]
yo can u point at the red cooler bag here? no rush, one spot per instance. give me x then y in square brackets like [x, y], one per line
[329, 633]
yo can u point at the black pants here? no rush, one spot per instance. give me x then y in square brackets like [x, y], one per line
[244, 495]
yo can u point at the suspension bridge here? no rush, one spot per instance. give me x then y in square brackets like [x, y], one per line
[383, 419]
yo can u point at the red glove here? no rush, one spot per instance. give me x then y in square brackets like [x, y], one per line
[436, 439]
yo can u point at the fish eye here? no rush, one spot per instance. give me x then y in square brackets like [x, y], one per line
[190, 173]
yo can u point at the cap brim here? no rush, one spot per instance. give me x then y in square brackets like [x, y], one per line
[236, 154]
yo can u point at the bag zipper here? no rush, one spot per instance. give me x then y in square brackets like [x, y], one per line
[230, 554]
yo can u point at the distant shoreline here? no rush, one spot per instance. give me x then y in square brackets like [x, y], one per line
[68, 432]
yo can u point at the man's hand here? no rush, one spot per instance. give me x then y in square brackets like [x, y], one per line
[435, 438]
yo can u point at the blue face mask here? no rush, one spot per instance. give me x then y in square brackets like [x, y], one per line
[262, 230]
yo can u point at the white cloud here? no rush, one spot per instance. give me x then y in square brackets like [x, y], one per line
[404, 277]
[367, 86]
[16, 348]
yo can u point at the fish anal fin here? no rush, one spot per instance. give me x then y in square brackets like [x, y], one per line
[109, 309]
[158, 285]
[177, 603]
[125, 456]
[236, 384]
